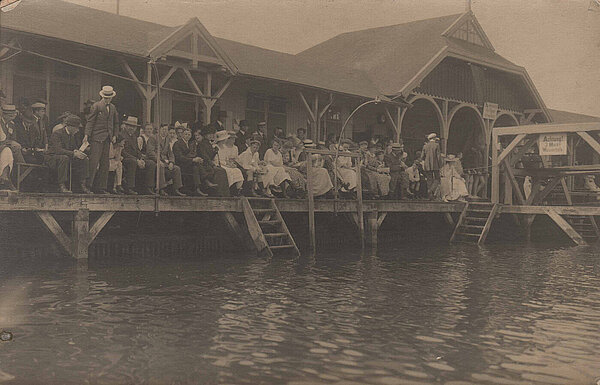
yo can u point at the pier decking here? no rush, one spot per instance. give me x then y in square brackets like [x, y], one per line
[83, 232]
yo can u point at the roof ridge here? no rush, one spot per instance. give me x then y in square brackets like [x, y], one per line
[254, 46]
[457, 15]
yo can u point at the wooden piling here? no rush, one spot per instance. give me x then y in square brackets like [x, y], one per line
[359, 206]
[81, 234]
[311, 204]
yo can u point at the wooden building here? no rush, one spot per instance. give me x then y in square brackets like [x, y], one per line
[445, 67]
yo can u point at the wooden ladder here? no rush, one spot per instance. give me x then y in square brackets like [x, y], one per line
[267, 227]
[585, 225]
[474, 222]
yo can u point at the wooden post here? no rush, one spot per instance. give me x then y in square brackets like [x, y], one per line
[311, 203]
[495, 169]
[148, 99]
[81, 234]
[359, 199]
[566, 227]
[242, 235]
[372, 227]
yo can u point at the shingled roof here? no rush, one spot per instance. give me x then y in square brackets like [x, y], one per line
[559, 116]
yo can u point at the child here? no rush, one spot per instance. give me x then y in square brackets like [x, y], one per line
[414, 178]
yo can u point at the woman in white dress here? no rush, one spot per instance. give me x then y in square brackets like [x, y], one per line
[452, 184]
[276, 174]
[343, 169]
[227, 158]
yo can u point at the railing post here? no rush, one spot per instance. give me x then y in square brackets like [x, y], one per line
[495, 169]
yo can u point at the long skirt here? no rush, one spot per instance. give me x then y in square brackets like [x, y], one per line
[321, 182]
[297, 180]
[275, 176]
[6, 158]
[234, 175]
[453, 188]
[347, 176]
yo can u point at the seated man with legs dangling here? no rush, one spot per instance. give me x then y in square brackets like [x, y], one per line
[165, 159]
[64, 150]
[187, 159]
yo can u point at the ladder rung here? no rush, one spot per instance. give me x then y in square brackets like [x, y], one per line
[476, 219]
[469, 235]
[270, 222]
[282, 247]
[470, 210]
[472, 227]
[263, 210]
[274, 235]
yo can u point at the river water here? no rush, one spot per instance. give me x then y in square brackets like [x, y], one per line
[413, 315]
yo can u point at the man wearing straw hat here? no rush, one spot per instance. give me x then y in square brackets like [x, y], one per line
[432, 163]
[100, 130]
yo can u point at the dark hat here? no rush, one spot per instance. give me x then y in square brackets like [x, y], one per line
[243, 123]
[206, 130]
[73, 121]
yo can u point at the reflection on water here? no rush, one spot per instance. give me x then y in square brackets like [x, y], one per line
[443, 315]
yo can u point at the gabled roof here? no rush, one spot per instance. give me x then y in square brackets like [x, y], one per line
[571, 117]
[399, 57]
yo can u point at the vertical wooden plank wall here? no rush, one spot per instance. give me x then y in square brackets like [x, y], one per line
[90, 84]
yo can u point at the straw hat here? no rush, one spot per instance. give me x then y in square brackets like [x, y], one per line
[221, 136]
[432, 136]
[396, 146]
[38, 105]
[107, 92]
[131, 121]
[308, 143]
[451, 158]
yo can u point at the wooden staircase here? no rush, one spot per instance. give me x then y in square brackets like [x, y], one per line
[474, 222]
[267, 227]
[585, 225]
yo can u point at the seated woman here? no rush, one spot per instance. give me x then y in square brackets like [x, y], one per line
[290, 162]
[452, 184]
[321, 182]
[376, 169]
[254, 167]
[343, 168]
[6, 165]
[369, 175]
[276, 175]
[227, 158]
[115, 164]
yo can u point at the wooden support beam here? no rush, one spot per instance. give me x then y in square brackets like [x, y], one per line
[394, 124]
[258, 238]
[318, 121]
[540, 196]
[495, 169]
[59, 234]
[192, 81]
[194, 50]
[197, 58]
[595, 226]
[511, 146]
[12, 43]
[164, 80]
[359, 206]
[100, 223]
[565, 226]
[140, 89]
[324, 109]
[311, 204]
[518, 154]
[81, 234]
[547, 128]
[224, 88]
[381, 218]
[372, 231]
[449, 220]
[513, 181]
[535, 190]
[307, 107]
[566, 191]
[240, 233]
[148, 101]
[398, 121]
[591, 141]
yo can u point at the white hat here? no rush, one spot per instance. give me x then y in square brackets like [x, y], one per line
[431, 136]
[107, 92]
[451, 158]
[221, 136]
[38, 105]
[131, 121]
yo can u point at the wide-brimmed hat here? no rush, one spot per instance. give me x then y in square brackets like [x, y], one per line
[308, 143]
[131, 121]
[431, 136]
[72, 121]
[347, 141]
[221, 136]
[107, 92]
[38, 105]
[262, 123]
[396, 146]
[9, 107]
[451, 158]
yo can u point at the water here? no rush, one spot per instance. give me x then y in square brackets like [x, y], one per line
[458, 315]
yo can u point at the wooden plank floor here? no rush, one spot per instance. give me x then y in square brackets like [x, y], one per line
[74, 202]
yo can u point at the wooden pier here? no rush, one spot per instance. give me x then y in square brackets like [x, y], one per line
[83, 232]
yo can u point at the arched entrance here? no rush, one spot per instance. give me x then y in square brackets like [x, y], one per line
[423, 118]
[466, 130]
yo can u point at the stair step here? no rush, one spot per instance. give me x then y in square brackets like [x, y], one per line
[473, 227]
[271, 222]
[263, 210]
[476, 219]
[281, 247]
[478, 210]
[469, 235]
[274, 235]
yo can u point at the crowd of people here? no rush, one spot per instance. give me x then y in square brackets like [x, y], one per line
[99, 152]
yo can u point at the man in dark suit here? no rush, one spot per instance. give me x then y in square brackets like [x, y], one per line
[261, 135]
[165, 159]
[187, 159]
[101, 129]
[134, 159]
[63, 149]
[213, 175]
[242, 136]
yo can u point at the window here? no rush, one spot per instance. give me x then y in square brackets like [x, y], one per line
[469, 33]
[271, 109]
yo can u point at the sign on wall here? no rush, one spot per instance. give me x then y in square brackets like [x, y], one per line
[553, 144]
[490, 110]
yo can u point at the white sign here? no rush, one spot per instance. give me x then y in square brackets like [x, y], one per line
[553, 144]
[490, 110]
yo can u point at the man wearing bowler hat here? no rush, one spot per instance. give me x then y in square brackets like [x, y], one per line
[100, 130]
